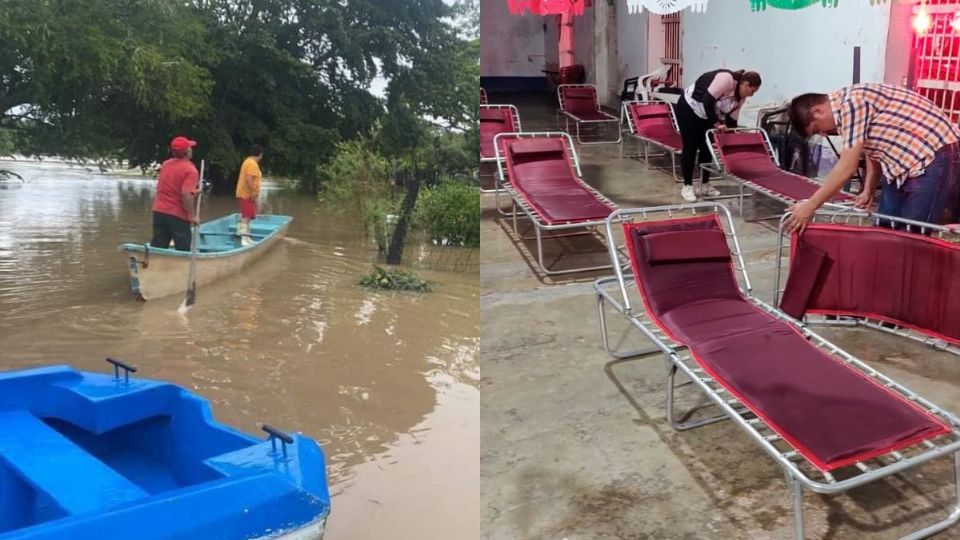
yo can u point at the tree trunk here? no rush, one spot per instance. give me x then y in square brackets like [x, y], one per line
[395, 251]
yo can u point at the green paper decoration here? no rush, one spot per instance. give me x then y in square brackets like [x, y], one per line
[760, 5]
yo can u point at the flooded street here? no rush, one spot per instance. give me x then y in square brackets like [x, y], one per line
[387, 383]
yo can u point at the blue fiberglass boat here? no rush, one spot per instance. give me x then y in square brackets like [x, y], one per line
[86, 456]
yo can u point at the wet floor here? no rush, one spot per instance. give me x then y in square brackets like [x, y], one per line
[387, 383]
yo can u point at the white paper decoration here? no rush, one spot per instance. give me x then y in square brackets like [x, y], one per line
[664, 7]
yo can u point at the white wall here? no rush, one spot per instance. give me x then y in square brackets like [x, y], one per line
[551, 36]
[605, 50]
[631, 41]
[510, 45]
[794, 51]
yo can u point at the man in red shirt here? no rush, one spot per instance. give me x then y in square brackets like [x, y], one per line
[173, 208]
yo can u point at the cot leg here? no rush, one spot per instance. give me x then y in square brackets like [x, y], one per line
[741, 201]
[605, 338]
[539, 247]
[514, 211]
[646, 154]
[691, 424]
[951, 519]
[796, 491]
[673, 166]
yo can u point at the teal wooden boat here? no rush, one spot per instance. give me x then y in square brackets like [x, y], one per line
[156, 272]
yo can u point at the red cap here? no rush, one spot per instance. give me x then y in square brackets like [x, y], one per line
[181, 143]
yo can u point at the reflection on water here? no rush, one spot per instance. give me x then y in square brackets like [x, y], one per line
[292, 341]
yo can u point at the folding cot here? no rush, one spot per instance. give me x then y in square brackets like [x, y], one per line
[579, 102]
[494, 120]
[745, 154]
[541, 174]
[652, 122]
[891, 274]
[831, 422]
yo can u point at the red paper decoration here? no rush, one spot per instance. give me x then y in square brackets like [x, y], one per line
[547, 7]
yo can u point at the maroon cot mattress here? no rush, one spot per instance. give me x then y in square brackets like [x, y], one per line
[832, 414]
[745, 156]
[896, 276]
[541, 171]
[652, 121]
[494, 121]
[583, 105]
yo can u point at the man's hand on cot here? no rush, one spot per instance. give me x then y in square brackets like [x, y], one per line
[865, 198]
[802, 212]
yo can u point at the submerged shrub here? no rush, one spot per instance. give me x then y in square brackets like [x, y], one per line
[356, 182]
[394, 280]
[451, 212]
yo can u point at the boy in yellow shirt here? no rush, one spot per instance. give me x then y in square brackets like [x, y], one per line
[248, 190]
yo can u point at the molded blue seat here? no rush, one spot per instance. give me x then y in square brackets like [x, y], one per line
[98, 403]
[51, 463]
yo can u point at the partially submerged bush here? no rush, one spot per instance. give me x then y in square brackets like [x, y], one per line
[356, 182]
[451, 212]
[394, 280]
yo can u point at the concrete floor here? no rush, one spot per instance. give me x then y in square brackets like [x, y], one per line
[575, 445]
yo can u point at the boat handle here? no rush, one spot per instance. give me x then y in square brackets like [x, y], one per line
[275, 434]
[120, 364]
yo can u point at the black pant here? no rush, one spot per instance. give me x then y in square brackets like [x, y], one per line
[166, 228]
[693, 133]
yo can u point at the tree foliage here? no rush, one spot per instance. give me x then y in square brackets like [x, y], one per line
[450, 212]
[119, 78]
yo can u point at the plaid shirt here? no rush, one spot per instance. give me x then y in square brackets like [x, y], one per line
[900, 129]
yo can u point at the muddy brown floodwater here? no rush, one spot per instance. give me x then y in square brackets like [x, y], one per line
[387, 383]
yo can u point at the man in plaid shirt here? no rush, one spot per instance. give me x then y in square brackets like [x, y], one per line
[904, 136]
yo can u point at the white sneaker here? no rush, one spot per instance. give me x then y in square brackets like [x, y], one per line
[709, 191]
[688, 194]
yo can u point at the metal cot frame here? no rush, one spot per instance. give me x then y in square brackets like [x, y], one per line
[517, 127]
[864, 219]
[645, 141]
[800, 474]
[520, 207]
[577, 121]
[720, 168]
[483, 96]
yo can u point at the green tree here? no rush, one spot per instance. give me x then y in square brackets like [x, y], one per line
[119, 78]
[70, 71]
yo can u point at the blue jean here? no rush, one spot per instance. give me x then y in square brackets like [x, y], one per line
[923, 198]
